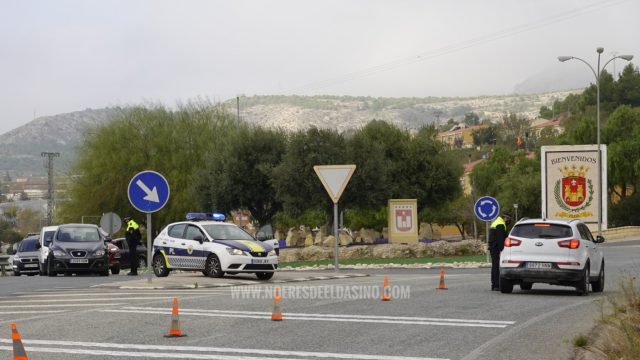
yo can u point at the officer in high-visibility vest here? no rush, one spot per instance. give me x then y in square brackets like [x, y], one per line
[497, 235]
[132, 236]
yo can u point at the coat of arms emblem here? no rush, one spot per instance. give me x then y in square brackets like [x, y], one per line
[574, 191]
[404, 220]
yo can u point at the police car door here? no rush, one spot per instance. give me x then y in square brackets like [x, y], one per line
[192, 243]
[171, 245]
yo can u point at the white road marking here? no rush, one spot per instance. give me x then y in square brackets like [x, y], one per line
[60, 305]
[69, 347]
[32, 312]
[98, 299]
[322, 317]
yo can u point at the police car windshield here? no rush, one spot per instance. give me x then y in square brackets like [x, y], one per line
[78, 234]
[226, 232]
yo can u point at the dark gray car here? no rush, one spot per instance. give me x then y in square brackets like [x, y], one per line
[78, 248]
[25, 260]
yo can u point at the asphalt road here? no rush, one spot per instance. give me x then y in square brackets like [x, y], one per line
[71, 318]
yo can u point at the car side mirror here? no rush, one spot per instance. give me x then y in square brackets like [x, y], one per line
[599, 239]
[38, 246]
[198, 238]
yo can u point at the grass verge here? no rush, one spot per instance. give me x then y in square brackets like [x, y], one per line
[368, 261]
[617, 336]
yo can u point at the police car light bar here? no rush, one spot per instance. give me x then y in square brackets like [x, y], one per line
[205, 216]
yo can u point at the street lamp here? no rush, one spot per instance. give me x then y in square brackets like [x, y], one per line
[597, 75]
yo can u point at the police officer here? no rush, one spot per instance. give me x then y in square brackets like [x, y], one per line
[132, 236]
[497, 235]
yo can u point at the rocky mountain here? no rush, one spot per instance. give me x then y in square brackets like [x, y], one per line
[21, 148]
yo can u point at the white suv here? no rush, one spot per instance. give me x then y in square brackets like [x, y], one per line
[557, 252]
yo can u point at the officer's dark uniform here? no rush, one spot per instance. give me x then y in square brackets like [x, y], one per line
[133, 237]
[497, 235]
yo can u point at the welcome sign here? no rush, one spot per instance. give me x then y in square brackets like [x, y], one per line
[570, 185]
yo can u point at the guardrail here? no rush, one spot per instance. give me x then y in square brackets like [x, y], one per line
[4, 262]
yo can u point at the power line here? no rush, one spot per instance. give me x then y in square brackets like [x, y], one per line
[431, 54]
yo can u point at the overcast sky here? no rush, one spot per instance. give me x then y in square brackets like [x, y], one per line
[63, 56]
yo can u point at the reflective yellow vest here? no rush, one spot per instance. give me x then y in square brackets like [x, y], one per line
[132, 225]
[498, 221]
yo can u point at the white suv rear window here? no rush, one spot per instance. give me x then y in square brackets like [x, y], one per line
[542, 231]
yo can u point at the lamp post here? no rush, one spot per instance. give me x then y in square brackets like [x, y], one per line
[597, 76]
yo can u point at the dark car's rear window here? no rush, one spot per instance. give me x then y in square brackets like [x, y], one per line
[27, 245]
[542, 231]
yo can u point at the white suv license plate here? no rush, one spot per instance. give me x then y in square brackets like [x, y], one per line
[538, 265]
[31, 265]
[79, 261]
[259, 261]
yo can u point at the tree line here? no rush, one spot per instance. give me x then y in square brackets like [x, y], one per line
[213, 162]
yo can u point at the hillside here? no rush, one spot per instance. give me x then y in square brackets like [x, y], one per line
[21, 148]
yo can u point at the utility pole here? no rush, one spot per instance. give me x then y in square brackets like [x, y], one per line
[50, 156]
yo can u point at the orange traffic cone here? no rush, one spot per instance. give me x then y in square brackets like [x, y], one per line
[386, 290]
[441, 286]
[175, 331]
[276, 315]
[18, 349]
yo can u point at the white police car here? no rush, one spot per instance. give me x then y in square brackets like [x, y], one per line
[207, 244]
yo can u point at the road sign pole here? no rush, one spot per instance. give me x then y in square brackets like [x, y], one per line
[487, 239]
[149, 250]
[336, 252]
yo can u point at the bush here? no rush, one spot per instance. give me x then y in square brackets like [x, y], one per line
[366, 218]
[626, 212]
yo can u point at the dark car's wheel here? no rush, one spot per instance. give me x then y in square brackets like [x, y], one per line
[115, 269]
[526, 286]
[142, 262]
[105, 272]
[264, 275]
[212, 267]
[43, 269]
[50, 270]
[159, 266]
[506, 286]
[16, 273]
[582, 287]
[598, 285]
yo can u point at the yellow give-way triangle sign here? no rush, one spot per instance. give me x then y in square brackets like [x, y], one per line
[334, 178]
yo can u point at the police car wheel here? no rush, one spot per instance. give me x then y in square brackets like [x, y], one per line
[159, 267]
[213, 268]
[264, 275]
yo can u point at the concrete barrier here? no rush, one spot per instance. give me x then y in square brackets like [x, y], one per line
[622, 233]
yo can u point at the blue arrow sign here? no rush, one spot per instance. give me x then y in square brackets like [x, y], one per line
[486, 208]
[148, 191]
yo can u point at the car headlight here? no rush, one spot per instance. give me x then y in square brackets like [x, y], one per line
[99, 253]
[16, 258]
[272, 253]
[59, 253]
[235, 251]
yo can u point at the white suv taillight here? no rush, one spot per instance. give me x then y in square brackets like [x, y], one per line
[509, 242]
[570, 244]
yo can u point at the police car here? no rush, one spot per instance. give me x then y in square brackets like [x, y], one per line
[205, 243]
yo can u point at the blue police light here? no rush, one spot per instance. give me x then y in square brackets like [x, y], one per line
[205, 216]
[196, 216]
[218, 217]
